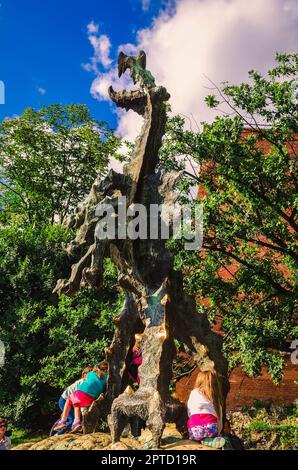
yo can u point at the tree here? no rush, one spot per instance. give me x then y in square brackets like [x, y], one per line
[246, 271]
[48, 340]
[49, 159]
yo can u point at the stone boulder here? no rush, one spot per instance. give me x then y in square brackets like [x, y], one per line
[171, 440]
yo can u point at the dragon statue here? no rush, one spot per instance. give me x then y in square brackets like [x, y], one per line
[155, 304]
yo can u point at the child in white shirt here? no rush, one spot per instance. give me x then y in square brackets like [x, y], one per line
[205, 410]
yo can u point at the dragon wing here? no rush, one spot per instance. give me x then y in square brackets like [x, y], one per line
[142, 56]
[123, 63]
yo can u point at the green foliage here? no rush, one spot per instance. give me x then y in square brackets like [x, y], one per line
[265, 426]
[49, 159]
[48, 340]
[284, 437]
[22, 436]
[211, 101]
[247, 267]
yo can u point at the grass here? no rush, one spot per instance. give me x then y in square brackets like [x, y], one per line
[21, 436]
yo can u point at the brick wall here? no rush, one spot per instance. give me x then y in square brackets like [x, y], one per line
[244, 389]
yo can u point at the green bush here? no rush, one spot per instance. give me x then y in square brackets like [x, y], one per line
[48, 161]
[48, 339]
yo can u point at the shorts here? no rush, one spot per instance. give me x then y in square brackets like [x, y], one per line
[80, 399]
[198, 433]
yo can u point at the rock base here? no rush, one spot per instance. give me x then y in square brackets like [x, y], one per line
[171, 440]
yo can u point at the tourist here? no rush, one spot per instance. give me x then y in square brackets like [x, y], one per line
[62, 400]
[136, 361]
[86, 393]
[104, 367]
[5, 443]
[205, 410]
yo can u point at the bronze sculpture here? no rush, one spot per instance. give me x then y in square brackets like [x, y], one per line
[155, 304]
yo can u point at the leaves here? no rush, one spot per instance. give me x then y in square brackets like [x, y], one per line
[49, 159]
[48, 339]
[245, 276]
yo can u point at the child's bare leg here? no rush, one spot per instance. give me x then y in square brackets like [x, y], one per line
[77, 426]
[62, 423]
[77, 413]
[66, 410]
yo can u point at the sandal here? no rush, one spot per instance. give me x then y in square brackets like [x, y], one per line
[59, 426]
[76, 427]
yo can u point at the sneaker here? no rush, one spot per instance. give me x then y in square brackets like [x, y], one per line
[215, 442]
[76, 427]
[59, 426]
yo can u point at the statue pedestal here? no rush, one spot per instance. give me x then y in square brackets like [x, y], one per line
[145, 408]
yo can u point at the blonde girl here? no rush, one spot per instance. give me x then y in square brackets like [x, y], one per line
[205, 405]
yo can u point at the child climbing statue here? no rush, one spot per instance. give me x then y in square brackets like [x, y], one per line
[205, 410]
[136, 361]
[86, 393]
[62, 400]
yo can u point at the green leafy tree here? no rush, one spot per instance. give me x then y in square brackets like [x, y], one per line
[47, 340]
[247, 267]
[49, 159]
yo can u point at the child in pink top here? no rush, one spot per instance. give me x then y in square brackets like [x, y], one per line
[205, 410]
[136, 361]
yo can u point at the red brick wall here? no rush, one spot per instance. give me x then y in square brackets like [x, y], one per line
[244, 389]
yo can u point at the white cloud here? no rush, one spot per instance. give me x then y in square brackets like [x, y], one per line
[129, 124]
[41, 91]
[100, 85]
[220, 39]
[92, 28]
[101, 49]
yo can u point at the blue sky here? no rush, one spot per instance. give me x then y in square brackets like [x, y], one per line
[44, 42]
